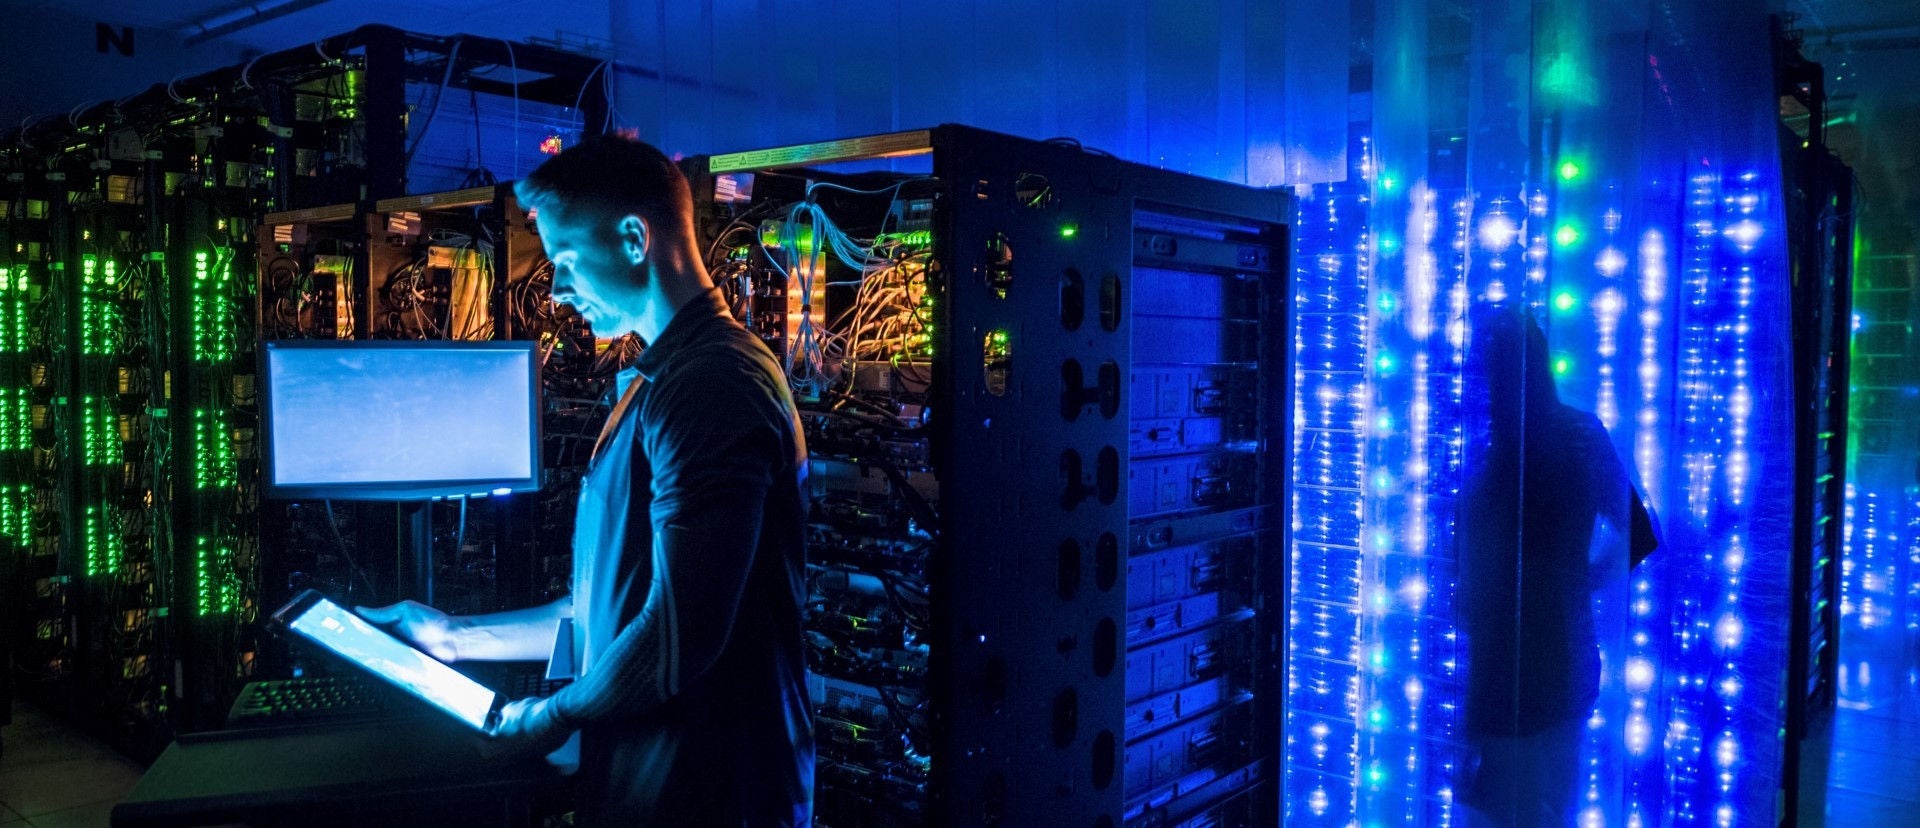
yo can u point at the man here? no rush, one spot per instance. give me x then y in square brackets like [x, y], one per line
[1548, 520]
[689, 566]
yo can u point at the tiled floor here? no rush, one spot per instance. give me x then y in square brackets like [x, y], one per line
[1862, 765]
[1865, 758]
[52, 776]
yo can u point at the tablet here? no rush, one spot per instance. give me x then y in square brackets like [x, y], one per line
[329, 625]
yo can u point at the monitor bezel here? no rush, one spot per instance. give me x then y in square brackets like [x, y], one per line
[400, 489]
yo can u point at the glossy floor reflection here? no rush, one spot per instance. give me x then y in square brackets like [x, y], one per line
[1865, 756]
[54, 776]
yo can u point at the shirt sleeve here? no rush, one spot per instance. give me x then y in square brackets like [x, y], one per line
[711, 431]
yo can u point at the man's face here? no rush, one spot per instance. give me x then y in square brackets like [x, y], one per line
[593, 268]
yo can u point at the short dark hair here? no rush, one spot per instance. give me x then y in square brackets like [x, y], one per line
[611, 175]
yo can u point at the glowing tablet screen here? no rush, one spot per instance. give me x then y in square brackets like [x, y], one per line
[346, 635]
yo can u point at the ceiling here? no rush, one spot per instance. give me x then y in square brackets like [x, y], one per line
[510, 19]
[1869, 48]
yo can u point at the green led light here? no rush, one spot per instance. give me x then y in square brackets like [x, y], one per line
[1569, 170]
[1561, 365]
[217, 589]
[213, 335]
[911, 238]
[102, 542]
[1564, 301]
[100, 441]
[214, 465]
[1384, 363]
[96, 312]
[1567, 236]
[1387, 182]
[1386, 302]
[1388, 244]
[15, 516]
[1069, 231]
[15, 420]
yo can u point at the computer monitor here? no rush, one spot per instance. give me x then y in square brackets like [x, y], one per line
[399, 420]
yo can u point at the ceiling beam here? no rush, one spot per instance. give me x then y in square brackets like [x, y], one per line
[243, 17]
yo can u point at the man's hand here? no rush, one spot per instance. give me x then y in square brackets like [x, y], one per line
[526, 726]
[428, 628]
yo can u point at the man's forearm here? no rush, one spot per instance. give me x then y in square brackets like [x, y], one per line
[514, 635]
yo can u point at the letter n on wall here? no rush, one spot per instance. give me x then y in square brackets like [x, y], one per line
[104, 36]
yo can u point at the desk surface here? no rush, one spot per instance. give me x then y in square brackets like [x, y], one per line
[237, 775]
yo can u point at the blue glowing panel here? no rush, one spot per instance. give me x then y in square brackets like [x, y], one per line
[1647, 247]
[367, 420]
[1331, 420]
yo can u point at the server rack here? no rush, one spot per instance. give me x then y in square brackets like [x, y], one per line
[132, 569]
[1047, 396]
[1819, 193]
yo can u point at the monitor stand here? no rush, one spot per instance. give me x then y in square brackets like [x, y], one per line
[414, 528]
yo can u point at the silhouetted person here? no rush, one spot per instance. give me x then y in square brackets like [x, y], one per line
[689, 558]
[1540, 477]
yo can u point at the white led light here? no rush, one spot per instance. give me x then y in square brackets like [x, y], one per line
[1729, 630]
[1611, 262]
[1639, 734]
[1498, 232]
[1639, 674]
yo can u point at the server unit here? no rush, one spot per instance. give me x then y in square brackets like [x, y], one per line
[1046, 398]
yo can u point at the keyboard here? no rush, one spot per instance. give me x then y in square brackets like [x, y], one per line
[334, 699]
[312, 700]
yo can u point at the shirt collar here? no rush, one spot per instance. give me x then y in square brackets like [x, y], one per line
[682, 330]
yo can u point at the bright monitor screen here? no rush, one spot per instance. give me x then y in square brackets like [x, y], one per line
[373, 420]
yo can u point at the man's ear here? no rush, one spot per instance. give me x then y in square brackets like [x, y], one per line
[635, 238]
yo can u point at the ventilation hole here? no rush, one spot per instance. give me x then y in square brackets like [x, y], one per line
[1109, 389]
[1033, 191]
[1110, 302]
[996, 361]
[1072, 381]
[1073, 299]
[998, 265]
[1107, 474]
[1066, 717]
[1106, 562]
[1106, 647]
[1073, 489]
[1103, 760]
[1068, 578]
